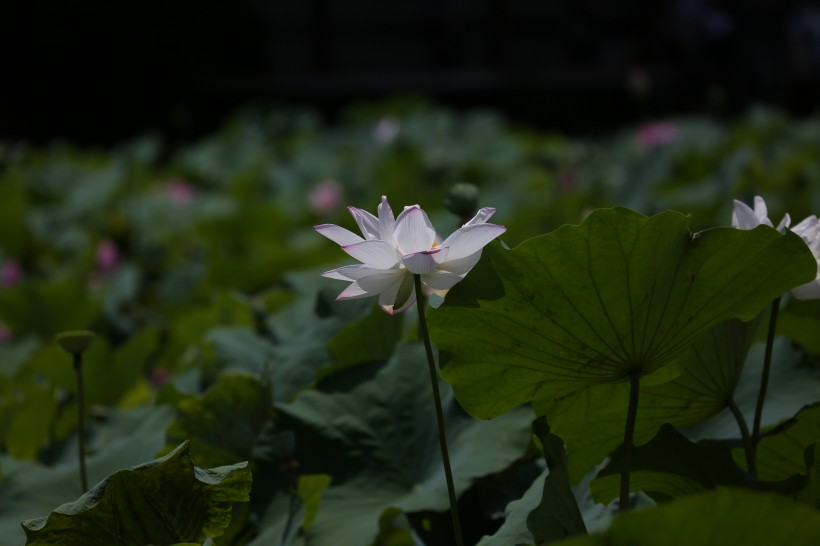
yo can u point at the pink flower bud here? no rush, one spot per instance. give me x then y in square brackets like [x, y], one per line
[11, 274]
[108, 256]
[6, 334]
[653, 135]
[179, 192]
[325, 198]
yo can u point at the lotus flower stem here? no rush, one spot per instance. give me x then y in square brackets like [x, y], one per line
[75, 343]
[748, 446]
[629, 434]
[764, 377]
[78, 369]
[442, 437]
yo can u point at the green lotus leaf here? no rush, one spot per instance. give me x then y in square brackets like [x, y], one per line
[592, 304]
[722, 516]
[166, 501]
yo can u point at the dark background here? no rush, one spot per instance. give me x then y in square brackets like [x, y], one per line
[97, 72]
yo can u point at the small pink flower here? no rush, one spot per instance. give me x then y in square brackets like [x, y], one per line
[655, 134]
[108, 256]
[325, 198]
[11, 274]
[568, 180]
[6, 335]
[179, 192]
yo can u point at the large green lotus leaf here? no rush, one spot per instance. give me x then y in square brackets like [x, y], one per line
[591, 421]
[621, 293]
[223, 423]
[30, 490]
[165, 501]
[384, 442]
[671, 466]
[714, 518]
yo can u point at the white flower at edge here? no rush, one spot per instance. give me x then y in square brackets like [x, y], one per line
[809, 230]
[392, 249]
[743, 217]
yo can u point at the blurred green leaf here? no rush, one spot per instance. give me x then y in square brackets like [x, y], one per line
[383, 437]
[222, 425]
[310, 490]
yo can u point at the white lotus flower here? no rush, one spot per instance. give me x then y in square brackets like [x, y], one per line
[809, 230]
[743, 217]
[392, 250]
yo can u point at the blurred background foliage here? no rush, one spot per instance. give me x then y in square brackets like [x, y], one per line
[197, 266]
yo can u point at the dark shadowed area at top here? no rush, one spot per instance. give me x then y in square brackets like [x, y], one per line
[98, 72]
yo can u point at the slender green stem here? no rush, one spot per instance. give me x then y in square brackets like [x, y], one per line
[293, 507]
[629, 435]
[78, 368]
[764, 377]
[748, 446]
[442, 437]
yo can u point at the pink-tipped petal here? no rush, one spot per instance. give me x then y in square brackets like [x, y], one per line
[338, 235]
[470, 239]
[481, 216]
[414, 232]
[422, 262]
[378, 254]
[368, 224]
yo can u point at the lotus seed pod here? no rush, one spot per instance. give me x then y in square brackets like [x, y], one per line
[462, 200]
[76, 341]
